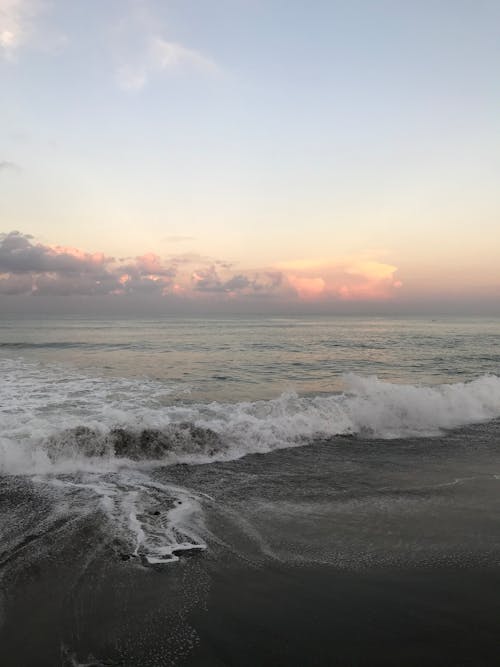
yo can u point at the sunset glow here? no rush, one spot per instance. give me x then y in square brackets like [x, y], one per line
[349, 159]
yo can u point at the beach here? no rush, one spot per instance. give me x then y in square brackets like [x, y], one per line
[141, 525]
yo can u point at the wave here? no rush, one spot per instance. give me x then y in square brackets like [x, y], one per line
[147, 444]
[65, 345]
[59, 423]
[97, 441]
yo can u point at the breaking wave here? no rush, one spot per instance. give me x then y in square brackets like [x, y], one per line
[54, 422]
[92, 443]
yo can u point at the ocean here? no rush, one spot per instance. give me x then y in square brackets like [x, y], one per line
[249, 491]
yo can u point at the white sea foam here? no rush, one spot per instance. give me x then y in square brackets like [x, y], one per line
[43, 410]
[154, 522]
[97, 439]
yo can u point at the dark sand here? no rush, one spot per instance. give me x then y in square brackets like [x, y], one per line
[319, 616]
[201, 613]
[425, 591]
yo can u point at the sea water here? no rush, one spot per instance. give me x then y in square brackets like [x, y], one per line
[348, 442]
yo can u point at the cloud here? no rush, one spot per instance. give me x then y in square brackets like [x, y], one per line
[31, 267]
[18, 25]
[254, 283]
[210, 281]
[351, 279]
[18, 254]
[15, 284]
[151, 264]
[141, 53]
[5, 165]
[160, 55]
[170, 55]
[368, 279]
[307, 288]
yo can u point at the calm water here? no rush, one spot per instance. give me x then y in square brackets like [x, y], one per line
[250, 359]
[256, 444]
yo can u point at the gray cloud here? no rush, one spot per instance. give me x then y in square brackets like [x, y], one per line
[209, 280]
[19, 254]
[144, 286]
[30, 267]
[15, 284]
[5, 165]
[224, 265]
[57, 284]
[238, 282]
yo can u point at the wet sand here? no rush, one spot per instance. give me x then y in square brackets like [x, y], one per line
[203, 612]
[412, 580]
[319, 616]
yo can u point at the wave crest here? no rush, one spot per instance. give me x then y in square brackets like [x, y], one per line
[55, 439]
[133, 444]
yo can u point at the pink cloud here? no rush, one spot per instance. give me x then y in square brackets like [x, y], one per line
[27, 266]
[307, 288]
[348, 279]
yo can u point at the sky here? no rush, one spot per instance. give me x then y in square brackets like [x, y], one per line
[250, 156]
